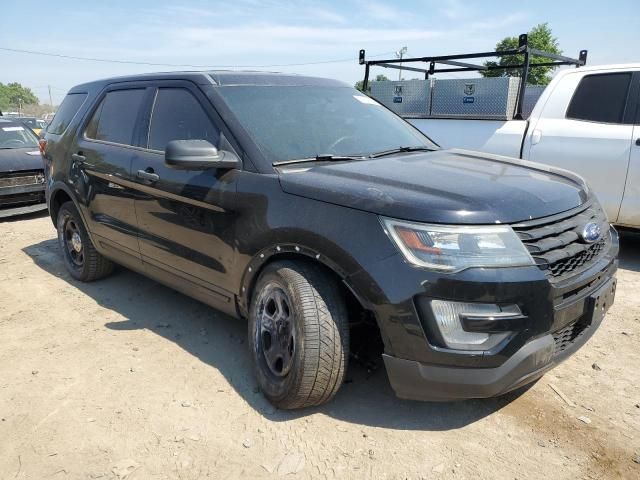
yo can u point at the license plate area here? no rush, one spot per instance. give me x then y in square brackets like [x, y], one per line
[599, 302]
[588, 310]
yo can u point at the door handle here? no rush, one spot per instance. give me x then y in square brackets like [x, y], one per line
[78, 157]
[148, 175]
[535, 137]
[638, 142]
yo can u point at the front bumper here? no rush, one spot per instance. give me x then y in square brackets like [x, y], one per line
[22, 199]
[417, 381]
[561, 317]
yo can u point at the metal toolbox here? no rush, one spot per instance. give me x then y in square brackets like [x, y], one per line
[531, 95]
[409, 98]
[484, 98]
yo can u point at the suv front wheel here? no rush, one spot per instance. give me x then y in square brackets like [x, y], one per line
[298, 334]
[80, 256]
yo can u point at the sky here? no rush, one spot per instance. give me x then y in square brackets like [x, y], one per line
[269, 34]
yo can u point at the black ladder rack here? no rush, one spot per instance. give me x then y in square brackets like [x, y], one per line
[453, 64]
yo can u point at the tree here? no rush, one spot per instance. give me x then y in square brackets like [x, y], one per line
[541, 38]
[13, 95]
[379, 78]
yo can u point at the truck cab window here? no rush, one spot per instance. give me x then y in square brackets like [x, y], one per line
[600, 98]
[177, 115]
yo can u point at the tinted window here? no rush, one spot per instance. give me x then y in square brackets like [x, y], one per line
[115, 118]
[291, 122]
[177, 115]
[600, 98]
[67, 110]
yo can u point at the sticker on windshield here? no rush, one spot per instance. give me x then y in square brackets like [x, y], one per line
[35, 153]
[365, 99]
[12, 129]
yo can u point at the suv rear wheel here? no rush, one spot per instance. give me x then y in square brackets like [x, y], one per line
[80, 256]
[298, 334]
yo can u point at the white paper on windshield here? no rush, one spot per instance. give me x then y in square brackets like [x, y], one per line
[12, 129]
[34, 153]
[365, 99]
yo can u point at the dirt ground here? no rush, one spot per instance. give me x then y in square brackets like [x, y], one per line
[124, 378]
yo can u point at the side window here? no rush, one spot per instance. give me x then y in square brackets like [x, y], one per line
[177, 115]
[600, 98]
[67, 110]
[115, 118]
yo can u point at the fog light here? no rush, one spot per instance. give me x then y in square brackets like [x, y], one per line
[449, 317]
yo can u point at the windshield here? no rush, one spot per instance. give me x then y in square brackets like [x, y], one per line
[14, 136]
[295, 122]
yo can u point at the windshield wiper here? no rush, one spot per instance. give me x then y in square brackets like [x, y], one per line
[318, 158]
[400, 150]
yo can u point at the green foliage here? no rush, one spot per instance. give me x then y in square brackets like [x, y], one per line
[379, 78]
[541, 38]
[12, 95]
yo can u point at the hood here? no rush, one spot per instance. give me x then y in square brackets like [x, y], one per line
[16, 159]
[444, 186]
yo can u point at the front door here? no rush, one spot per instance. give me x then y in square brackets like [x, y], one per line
[102, 160]
[186, 218]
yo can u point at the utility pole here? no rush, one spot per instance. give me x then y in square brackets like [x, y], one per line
[50, 97]
[399, 54]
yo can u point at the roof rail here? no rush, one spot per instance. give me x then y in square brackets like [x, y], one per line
[453, 64]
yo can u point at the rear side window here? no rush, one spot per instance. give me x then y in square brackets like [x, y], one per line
[115, 118]
[600, 98]
[178, 115]
[67, 110]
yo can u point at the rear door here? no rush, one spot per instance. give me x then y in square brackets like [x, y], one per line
[102, 160]
[186, 218]
[589, 132]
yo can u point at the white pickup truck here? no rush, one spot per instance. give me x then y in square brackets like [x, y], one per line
[587, 120]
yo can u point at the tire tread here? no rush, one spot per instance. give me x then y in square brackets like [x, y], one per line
[96, 266]
[326, 334]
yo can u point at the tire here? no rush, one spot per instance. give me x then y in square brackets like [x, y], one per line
[314, 347]
[82, 260]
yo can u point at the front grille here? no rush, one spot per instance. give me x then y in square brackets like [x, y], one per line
[556, 245]
[566, 336]
[568, 265]
[16, 179]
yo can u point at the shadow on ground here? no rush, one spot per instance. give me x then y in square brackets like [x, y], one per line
[365, 398]
[630, 250]
[25, 216]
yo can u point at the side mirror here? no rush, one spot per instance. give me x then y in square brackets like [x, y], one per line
[198, 155]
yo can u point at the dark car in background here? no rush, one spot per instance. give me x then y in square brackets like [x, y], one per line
[309, 209]
[21, 170]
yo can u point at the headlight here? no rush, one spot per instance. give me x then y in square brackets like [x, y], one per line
[448, 248]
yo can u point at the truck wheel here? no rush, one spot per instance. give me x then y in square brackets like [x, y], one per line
[80, 256]
[298, 334]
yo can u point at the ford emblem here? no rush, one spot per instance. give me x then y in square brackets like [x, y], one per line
[591, 233]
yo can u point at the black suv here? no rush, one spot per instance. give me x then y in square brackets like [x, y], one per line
[306, 207]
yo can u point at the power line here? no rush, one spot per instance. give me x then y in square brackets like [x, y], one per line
[150, 64]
